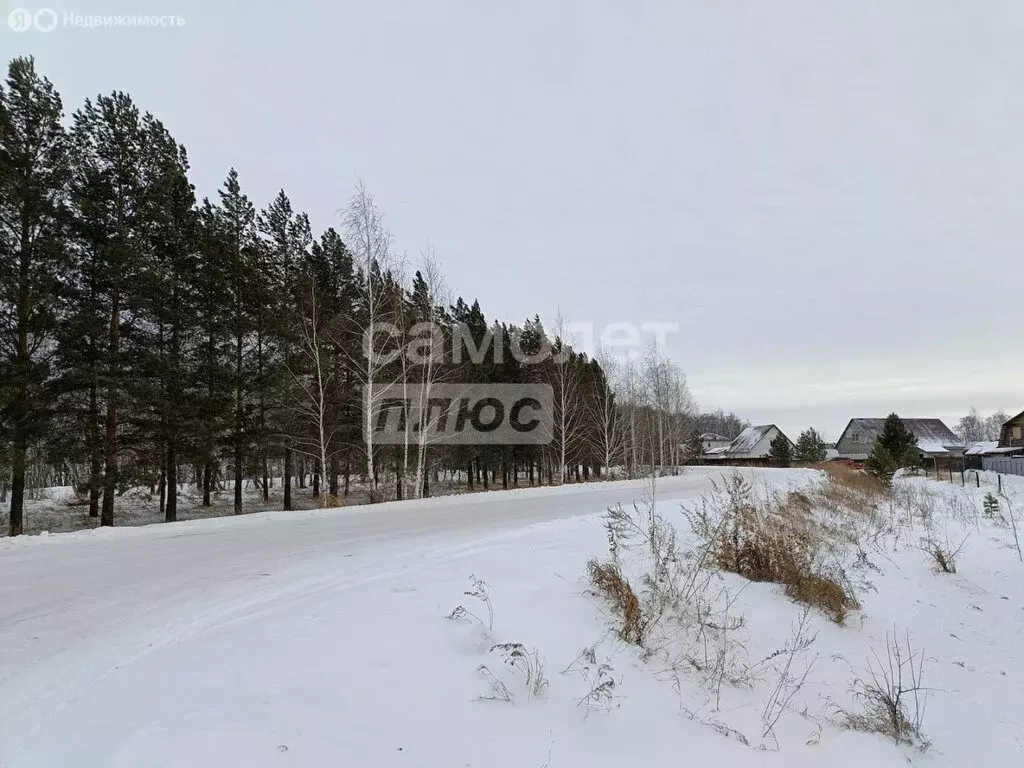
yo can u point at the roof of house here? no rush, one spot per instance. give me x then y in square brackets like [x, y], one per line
[990, 448]
[713, 436]
[1014, 418]
[981, 447]
[932, 435]
[748, 438]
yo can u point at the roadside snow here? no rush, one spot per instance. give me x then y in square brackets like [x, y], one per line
[318, 638]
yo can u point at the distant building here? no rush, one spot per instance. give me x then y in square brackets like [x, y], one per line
[752, 445]
[982, 448]
[1012, 433]
[711, 440]
[933, 438]
[977, 453]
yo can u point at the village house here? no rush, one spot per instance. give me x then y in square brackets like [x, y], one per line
[711, 440]
[934, 439]
[752, 445]
[1012, 433]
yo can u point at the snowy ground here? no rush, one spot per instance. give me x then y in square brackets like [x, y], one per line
[60, 509]
[318, 638]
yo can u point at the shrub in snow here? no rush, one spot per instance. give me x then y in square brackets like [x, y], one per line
[891, 695]
[792, 670]
[675, 612]
[665, 581]
[942, 554]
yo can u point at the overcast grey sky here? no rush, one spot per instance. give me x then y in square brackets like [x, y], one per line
[826, 196]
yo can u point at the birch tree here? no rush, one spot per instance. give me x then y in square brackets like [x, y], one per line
[565, 383]
[370, 243]
[314, 376]
[608, 432]
[429, 292]
[628, 384]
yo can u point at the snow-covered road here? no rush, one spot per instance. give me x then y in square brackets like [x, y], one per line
[79, 611]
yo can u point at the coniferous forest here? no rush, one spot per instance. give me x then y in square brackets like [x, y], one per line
[154, 339]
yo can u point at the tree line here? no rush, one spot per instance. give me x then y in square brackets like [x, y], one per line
[975, 428]
[150, 338]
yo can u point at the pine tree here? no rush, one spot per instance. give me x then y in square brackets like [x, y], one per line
[34, 173]
[344, 347]
[990, 504]
[810, 447]
[276, 318]
[210, 358]
[81, 332]
[894, 449]
[237, 217]
[168, 298]
[781, 450]
[107, 191]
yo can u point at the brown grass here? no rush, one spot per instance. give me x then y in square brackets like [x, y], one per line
[823, 592]
[776, 541]
[615, 588]
[851, 487]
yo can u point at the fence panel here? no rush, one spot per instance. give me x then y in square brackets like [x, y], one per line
[1007, 465]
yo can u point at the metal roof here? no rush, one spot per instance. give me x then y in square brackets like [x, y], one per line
[748, 438]
[927, 431]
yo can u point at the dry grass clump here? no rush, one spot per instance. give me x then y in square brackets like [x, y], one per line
[826, 593]
[527, 663]
[609, 582]
[776, 540]
[854, 478]
[850, 489]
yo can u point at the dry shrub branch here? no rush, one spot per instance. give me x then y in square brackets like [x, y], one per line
[891, 694]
